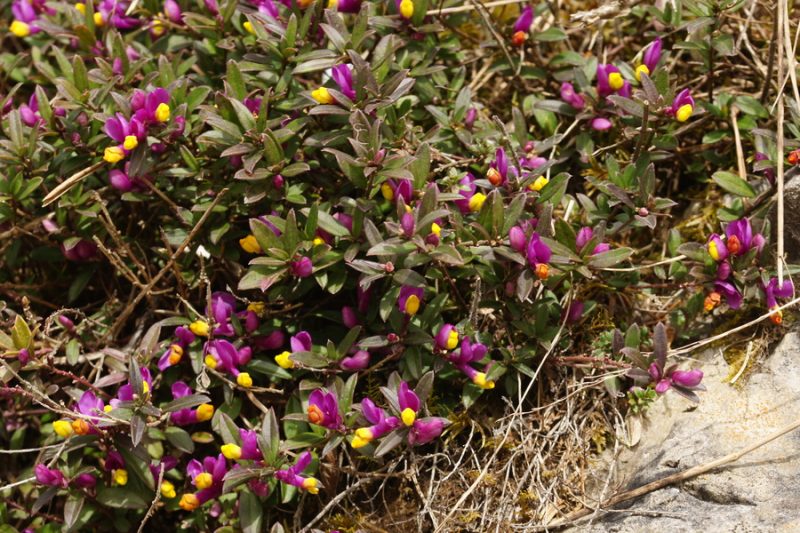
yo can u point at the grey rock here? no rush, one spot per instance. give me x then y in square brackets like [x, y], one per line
[791, 219]
[758, 493]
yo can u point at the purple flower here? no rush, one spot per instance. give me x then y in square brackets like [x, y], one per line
[601, 124]
[724, 270]
[345, 6]
[425, 430]
[301, 342]
[740, 238]
[269, 342]
[685, 379]
[407, 224]
[212, 6]
[469, 118]
[357, 361]
[525, 19]
[49, 476]
[410, 299]
[85, 481]
[208, 476]
[250, 449]
[732, 295]
[601, 248]
[774, 290]
[343, 76]
[569, 95]
[29, 113]
[349, 317]
[517, 239]
[538, 255]
[78, 250]
[302, 268]
[574, 312]
[610, 81]
[522, 26]
[498, 169]
[323, 409]
[173, 11]
[585, 235]
[291, 475]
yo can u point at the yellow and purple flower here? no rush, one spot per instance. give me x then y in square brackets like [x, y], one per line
[650, 59]
[381, 424]
[224, 357]
[207, 477]
[401, 188]
[298, 343]
[151, 108]
[447, 337]
[420, 430]
[26, 14]
[174, 353]
[291, 475]
[610, 81]
[472, 200]
[187, 416]
[248, 451]
[345, 6]
[468, 354]
[682, 106]
[128, 133]
[410, 299]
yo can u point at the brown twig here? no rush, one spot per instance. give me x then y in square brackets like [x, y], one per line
[144, 291]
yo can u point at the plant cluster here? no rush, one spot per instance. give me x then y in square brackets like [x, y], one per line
[248, 245]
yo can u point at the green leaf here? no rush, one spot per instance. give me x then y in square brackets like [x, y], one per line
[610, 258]
[250, 512]
[122, 497]
[733, 184]
[235, 81]
[180, 439]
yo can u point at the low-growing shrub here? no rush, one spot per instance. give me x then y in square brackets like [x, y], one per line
[248, 247]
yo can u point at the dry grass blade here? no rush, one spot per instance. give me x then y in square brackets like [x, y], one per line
[69, 183]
